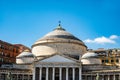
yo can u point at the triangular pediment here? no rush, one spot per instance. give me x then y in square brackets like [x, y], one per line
[58, 58]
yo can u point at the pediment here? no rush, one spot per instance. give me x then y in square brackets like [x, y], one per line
[58, 58]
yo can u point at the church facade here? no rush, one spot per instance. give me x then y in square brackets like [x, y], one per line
[59, 55]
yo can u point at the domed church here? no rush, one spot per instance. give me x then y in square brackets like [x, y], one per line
[59, 55]
[55, 56]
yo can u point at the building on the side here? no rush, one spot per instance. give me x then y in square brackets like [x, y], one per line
[59, 55]
[109, 56]
[8, 52]
[22, 47]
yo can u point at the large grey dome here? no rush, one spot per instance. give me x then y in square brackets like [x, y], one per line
[60, 33]
[58, 41]
[57, 35]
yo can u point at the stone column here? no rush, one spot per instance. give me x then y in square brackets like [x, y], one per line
[34, 73]
[90, 76]
[60, 73]
[102, 77]
[66, 73]
[85, 77]
[80, 75]
[114, 77]
[73, 73]
[0, 76]
[17, 76]
[119, 76]
[53, 73]
[28, 76]
[23, 77]
[108, 77]
[46, 73]
[40, 76]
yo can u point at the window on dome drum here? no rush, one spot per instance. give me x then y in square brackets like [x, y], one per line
[75, 56]
[106, 61]
[117, 60]
[112, 61]
[103, 61]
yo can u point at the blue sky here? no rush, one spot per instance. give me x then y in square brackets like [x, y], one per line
[96, 22]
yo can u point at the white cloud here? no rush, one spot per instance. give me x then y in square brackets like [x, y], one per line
[89, 41]
[114, 37]
[103, 40]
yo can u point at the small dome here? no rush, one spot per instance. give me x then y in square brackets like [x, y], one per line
[90, 58]
[26, 57]
[90, 55]
[25, 53]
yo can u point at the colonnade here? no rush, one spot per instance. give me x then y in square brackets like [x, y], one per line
[108, 76]
[57, 73]
[3, 76]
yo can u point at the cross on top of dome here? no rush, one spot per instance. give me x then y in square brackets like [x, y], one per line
[59, 27]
